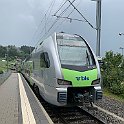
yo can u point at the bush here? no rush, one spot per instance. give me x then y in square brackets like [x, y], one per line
[1, 71]
[112, 72]
[117, 89]
[122, 96]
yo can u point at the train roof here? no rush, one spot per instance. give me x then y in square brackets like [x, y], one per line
[55, 35]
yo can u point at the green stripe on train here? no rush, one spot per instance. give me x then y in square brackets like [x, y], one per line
[80, 79]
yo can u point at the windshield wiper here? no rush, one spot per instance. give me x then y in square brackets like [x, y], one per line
[87, 58]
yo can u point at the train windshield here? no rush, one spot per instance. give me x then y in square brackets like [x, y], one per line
[73, 50]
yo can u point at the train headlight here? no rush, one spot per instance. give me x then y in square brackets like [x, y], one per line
[64, 82]
[94, 82]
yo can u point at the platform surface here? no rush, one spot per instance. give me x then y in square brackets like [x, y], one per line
[18, 104]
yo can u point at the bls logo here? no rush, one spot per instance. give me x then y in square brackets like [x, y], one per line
[82, 78]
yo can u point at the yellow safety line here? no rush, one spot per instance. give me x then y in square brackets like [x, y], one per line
[27, 114]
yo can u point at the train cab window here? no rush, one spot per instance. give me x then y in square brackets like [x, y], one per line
[44, 60]
[73, 50]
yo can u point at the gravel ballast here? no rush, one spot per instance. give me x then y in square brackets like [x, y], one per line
[112, 106]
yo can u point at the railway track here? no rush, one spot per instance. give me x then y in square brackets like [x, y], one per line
[71, 115]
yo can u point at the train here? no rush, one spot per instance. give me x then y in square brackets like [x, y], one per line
[64, 70]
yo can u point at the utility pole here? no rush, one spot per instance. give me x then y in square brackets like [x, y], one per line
[6, 56]
[122, 50]
[98, 26]
[98, 23]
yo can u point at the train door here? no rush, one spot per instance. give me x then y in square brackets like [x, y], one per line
[44, 64]
[48, 77]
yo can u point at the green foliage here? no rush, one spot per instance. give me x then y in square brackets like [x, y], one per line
[27, 49]
[12, 52]
[3, 65]
[13, 55]
[1, 71]
[3, 51]
[109, 94]
[117, 89]
[112, 72]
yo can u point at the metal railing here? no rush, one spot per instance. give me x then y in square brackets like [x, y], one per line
[4, 76]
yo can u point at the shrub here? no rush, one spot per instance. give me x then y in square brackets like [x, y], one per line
[117, 89]
[1, 71]
[112, 72]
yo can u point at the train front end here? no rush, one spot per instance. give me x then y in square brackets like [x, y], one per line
[81, 78]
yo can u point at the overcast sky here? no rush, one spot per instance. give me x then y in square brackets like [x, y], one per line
[20, 22]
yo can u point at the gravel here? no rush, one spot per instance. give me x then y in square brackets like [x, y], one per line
[112, 106]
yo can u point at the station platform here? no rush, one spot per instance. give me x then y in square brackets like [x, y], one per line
[19, 105]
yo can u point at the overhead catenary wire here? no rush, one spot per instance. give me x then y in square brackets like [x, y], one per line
[69, 18]
[60, 7]
[65, 18]
[44, 28]
[81, 15]
[44, 17]
[47, 17]
[60, 15]
[60, 23]
[71, 3]
[50, 10]
[55, 20]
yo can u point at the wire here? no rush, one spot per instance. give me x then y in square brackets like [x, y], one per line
[55, 21]
[69, 18]
[59, 15]
[59, 24]
[50, 10]
[44, 28]
[60, 7]
[65, 19]
[81, 15]
[51, 5]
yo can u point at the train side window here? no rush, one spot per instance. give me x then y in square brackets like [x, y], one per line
[44, 60]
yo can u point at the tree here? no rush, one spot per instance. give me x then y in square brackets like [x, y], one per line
[12, 51]
[112, 72]
[27, 49]
[3, 51]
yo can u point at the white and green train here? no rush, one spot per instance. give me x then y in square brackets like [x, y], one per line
[65, 70]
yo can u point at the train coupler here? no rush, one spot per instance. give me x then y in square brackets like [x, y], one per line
[84, 98]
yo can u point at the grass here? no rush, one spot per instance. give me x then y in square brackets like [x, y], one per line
[113, 96]
[3, 65]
